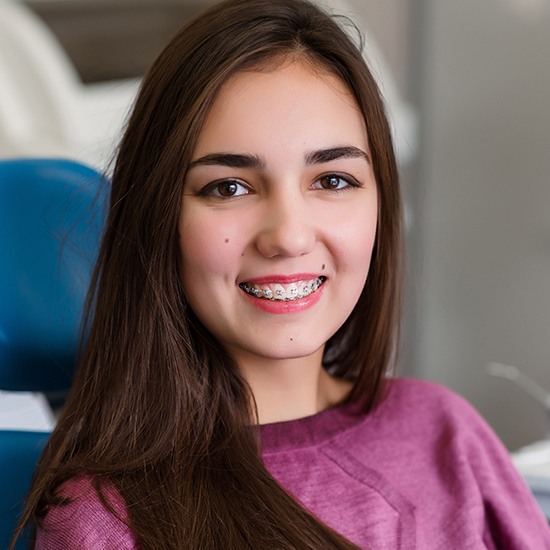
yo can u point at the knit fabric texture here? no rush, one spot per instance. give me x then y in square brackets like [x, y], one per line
[421, 471]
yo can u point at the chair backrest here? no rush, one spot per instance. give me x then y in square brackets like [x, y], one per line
[50, 224]
[19, 452]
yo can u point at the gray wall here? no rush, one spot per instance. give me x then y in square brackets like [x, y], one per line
[484, 284]
[479, 247]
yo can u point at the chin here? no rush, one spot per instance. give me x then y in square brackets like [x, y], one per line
[287, 349]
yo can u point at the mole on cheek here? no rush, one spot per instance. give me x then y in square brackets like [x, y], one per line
[226, 240]
[323, 267]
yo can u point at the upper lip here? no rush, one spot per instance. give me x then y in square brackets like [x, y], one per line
[282, 279]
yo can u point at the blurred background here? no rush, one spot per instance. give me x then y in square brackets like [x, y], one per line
[468, 86]
[478, 196]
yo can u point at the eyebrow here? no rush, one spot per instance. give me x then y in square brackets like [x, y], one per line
[334, 153]
[232, 160]
[320, 156]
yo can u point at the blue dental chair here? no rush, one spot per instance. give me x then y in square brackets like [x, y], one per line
[50, 224]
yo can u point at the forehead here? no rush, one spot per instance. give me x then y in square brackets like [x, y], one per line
[291, 103]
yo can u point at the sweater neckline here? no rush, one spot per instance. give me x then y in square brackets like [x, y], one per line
[309, 431]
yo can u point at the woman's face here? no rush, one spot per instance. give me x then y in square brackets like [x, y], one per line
[279, 213]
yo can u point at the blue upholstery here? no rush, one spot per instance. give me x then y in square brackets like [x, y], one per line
[50, 223]
[19, 452]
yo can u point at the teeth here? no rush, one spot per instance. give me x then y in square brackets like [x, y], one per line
[279, 292]
[283, 293]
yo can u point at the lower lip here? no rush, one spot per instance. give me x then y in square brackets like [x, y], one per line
[280, 307]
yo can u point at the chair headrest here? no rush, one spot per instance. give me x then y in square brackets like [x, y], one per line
[51, 218]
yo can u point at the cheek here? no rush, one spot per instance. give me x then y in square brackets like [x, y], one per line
[356, 259]
[355, 241]
[206, 251]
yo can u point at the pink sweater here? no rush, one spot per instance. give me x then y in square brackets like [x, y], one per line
[422, 471]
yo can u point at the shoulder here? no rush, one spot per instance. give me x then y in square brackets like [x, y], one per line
[441, 428]
[413, 389]
[431, 417]
[458, 442]
[85, 519]
[426, 401]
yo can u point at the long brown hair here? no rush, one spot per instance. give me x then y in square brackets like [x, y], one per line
[157, 407]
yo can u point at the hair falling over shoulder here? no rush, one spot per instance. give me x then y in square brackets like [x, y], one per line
[157, 407]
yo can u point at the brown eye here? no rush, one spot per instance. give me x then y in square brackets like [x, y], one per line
[331, 182]
[335, 182]
[224, 189]
[227, 188]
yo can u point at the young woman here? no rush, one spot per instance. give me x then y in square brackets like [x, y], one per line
[233, 391]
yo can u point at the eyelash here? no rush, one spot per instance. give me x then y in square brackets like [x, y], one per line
[348, 180]
[213, 188]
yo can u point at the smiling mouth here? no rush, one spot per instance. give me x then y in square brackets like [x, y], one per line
[283, 292]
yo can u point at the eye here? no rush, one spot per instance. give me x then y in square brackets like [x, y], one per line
[334, 182]
[225, 189]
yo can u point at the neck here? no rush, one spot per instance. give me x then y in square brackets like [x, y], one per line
[287, 389]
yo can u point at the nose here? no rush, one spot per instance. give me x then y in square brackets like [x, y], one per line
[286, 229]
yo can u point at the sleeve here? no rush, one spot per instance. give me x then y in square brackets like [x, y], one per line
[513, 518]
[84, 523]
